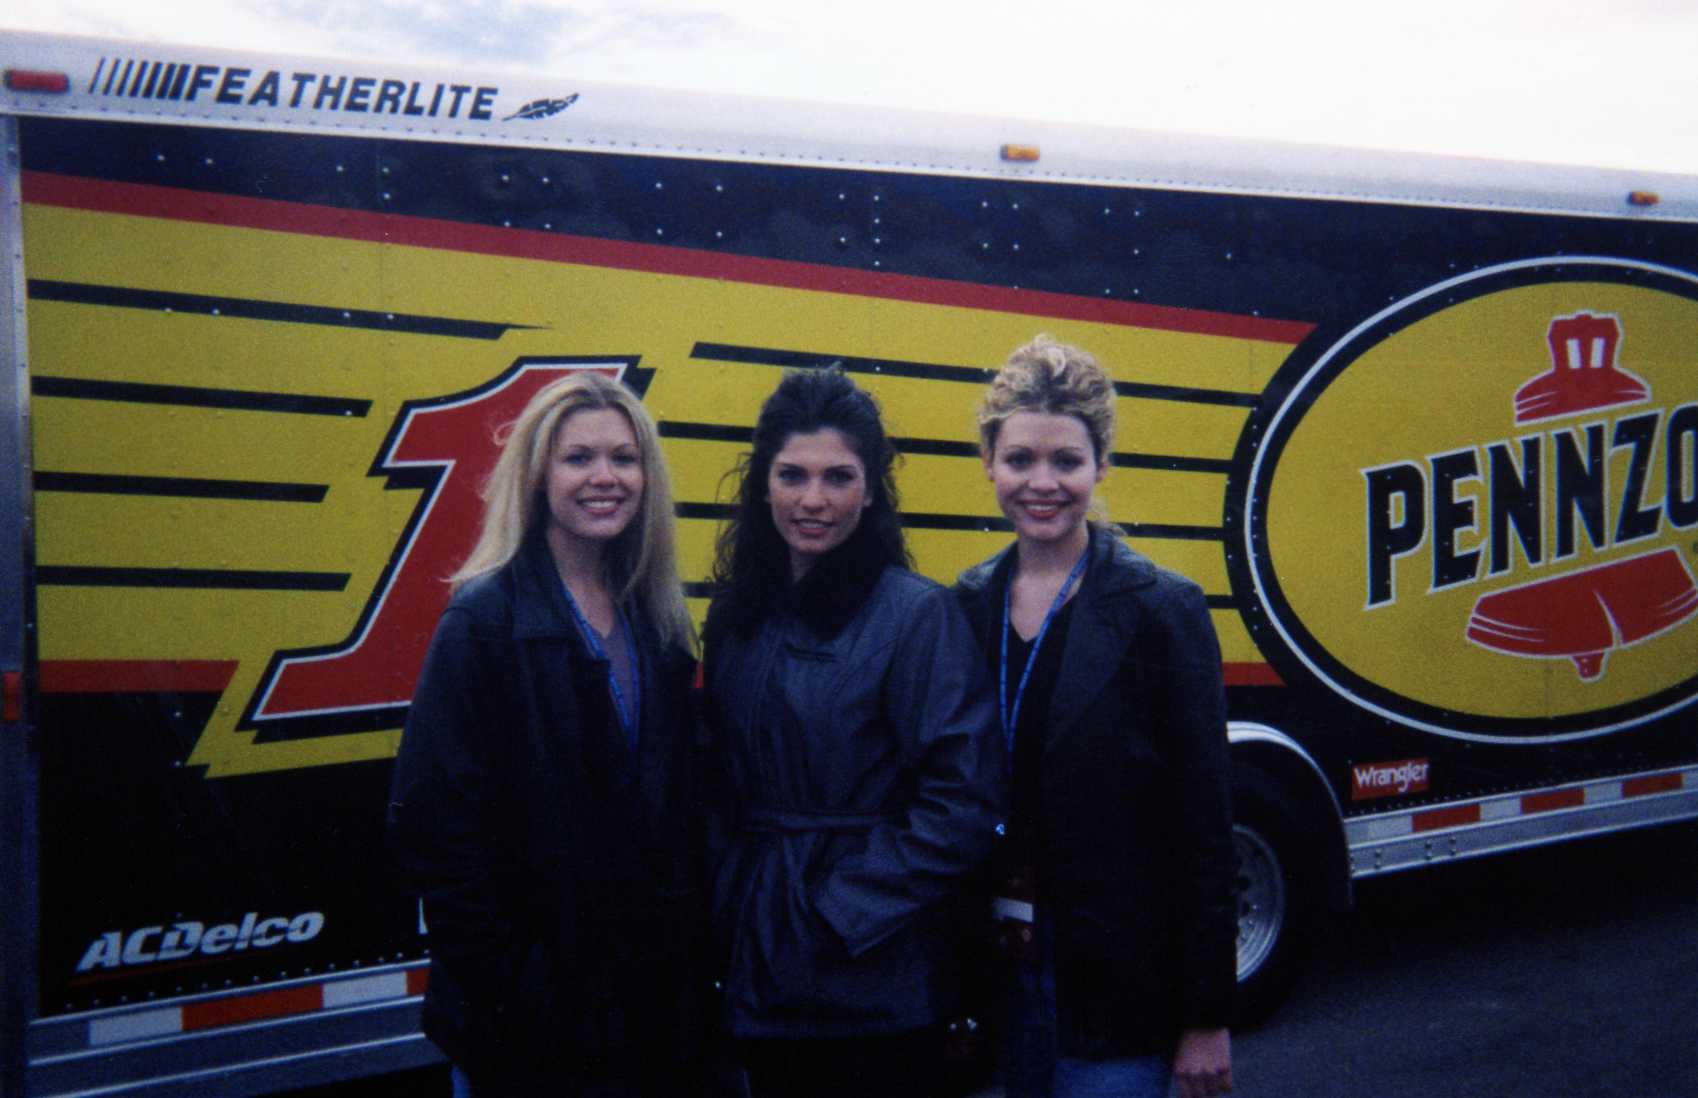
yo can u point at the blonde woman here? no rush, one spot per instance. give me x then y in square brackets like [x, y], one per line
[1115, 875]
[541, 803]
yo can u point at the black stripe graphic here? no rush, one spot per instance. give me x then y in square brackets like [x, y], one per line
[715, 511]
[183, 487]
[921, 520]
[1173, 531]
[937, 447]
[1187, 394]
[806, 360]
[1170, 462]
[137, 392]
[704, 432]
[65, 575]
[204, 305]
[702, 589]
[972, 375]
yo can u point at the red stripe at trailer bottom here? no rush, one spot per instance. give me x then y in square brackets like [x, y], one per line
[1438, 818]
[1552, 801]
[252, 1008]
[1652, 783]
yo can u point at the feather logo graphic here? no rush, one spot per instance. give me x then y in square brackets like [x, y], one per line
[542, 108]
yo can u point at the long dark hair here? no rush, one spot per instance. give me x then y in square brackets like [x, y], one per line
[751, 565]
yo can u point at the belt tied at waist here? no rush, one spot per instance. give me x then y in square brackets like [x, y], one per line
[802, 820]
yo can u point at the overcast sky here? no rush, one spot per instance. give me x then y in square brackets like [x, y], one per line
[1610, 83]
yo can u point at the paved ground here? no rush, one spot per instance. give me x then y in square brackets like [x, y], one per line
[1569, 971]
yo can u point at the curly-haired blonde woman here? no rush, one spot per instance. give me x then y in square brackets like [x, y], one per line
[1115, 876]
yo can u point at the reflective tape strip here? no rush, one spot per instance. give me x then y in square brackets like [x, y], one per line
[141, 1025]
[211, 1013]
[390, 985]
[135, 1027]
[1364, 830]
[1453, 815]
[1651, 783]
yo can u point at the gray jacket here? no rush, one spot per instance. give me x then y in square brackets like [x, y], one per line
[866, 779]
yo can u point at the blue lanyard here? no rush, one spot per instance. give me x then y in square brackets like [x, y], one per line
[628, 715]
[1011, 714]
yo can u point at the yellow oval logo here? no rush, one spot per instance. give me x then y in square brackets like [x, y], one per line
[1477, 513]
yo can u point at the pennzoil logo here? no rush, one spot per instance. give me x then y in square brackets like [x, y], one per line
[1476, 513]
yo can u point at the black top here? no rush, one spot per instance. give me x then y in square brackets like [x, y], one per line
[1025, 820]
[1136, 851]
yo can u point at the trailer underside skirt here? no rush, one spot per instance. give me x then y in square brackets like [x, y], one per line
[1488, 825]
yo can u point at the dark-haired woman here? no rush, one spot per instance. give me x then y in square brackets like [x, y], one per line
[1116, 872]
[854, 721]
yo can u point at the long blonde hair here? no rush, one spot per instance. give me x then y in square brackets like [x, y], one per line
[643, 560]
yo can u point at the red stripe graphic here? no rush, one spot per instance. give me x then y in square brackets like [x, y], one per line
[1552, 800]
[176, 204]
[1651, 783]
[252, 1008]
[1446, 817]
[1250, 674]
[135, 676]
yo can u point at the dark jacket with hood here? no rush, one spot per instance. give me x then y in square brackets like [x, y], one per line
[1134, 854]
[856, 729]
[559, 872]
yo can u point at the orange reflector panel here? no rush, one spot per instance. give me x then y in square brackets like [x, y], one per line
[31, 80]
[1023, 154]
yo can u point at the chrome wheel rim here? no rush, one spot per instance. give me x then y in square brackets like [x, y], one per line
[1261, 899]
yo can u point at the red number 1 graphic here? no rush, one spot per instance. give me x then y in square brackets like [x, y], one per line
[446, 446]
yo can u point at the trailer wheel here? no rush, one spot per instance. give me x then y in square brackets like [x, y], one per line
[1277, 893]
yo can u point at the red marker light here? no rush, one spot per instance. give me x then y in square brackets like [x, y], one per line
[34, 80]
[12, 685]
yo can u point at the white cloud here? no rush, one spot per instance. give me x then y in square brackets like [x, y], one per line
[1521, 79]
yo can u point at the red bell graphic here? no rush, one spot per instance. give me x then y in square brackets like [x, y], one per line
[1583, 615]
[1584, 374]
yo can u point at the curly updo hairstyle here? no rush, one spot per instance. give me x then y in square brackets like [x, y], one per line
[1052, 378]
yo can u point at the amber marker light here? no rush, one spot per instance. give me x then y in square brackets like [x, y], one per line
[1643, 198]
[35, 80]
[1020, 154]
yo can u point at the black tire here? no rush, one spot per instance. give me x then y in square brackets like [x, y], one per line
[1278, 889]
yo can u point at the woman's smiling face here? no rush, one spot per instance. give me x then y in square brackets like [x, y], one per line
[817, 488]
[1044, 469]
[595, 476]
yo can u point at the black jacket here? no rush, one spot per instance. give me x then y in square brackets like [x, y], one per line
[559, 874]
[1136, 861]
[866, 780]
